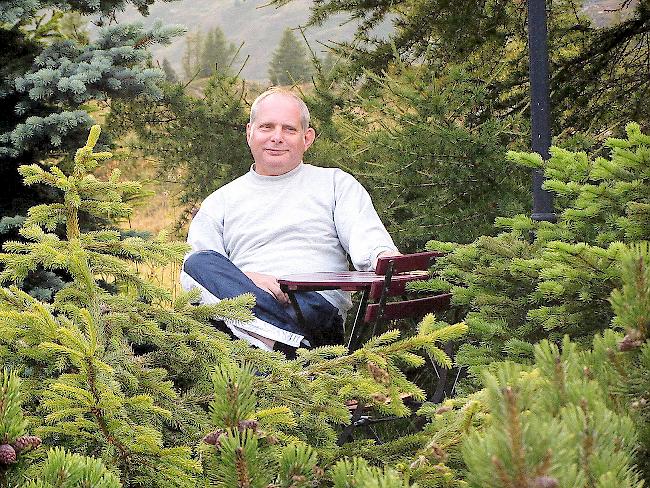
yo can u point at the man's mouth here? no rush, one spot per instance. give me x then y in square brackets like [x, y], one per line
[276, 152]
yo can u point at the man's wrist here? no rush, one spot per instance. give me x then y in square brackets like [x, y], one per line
[383, 251]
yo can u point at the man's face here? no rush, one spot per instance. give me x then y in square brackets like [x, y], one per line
[276, 137]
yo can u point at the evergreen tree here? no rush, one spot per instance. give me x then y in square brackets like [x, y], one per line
[170, 74]
[19, 466]
[631, 304]
[329, 62]
[207, 50]
[553, 426]
[577, 417]
[519, 290]
[253, 445]
[45, 81]
[96, 396]
[423, 146]
[197, 142]
[217, 53]
[574, 417]
[289, 64]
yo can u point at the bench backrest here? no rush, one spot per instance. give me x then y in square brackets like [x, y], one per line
[408, 262]
[398, 271]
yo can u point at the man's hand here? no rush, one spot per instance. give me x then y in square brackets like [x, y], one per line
[269, 284]
[386, 254]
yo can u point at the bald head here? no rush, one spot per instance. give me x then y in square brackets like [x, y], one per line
[304, 111]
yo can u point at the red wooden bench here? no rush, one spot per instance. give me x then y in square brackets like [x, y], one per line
[377, 288]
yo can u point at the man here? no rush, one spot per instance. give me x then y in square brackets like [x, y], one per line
[283, 217]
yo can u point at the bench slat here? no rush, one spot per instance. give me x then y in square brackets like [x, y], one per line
[409, 308]
[408, 262]
[397, 284]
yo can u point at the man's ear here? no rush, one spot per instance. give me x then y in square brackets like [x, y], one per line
[310, 135]
[248, 132]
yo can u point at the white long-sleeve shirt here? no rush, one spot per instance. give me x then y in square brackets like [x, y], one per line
[303, 221]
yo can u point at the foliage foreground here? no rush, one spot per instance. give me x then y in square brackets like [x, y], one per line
[119, 369]
[116, 382]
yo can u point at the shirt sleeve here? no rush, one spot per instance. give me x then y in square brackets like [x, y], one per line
[206, 229]
[360, 231]
[205, 234]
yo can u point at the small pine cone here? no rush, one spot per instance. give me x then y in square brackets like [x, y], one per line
[7, 454]
[242, 425]
[632, 340]
[214, 438]
[545, 482]
[438, 452]
[26, 442]
[380, 398]
[271, 439]
[625, 346]
[379, 375]
[419, 462]
[443, 409]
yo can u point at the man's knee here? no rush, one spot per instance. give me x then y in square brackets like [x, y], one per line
[200, 261]
[217, 274]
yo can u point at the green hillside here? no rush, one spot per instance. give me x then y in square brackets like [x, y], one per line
[258, 26]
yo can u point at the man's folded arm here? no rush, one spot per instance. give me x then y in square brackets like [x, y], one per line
[206, 234]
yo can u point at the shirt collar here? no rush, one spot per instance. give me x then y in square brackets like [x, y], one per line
[287, 175]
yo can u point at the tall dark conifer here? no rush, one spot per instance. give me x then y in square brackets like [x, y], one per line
[217, 53]
[289, 64]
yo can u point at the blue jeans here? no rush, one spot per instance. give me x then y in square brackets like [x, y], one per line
[223, 279]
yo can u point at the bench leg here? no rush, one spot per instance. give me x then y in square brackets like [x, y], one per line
[296, 307]
[355, 333]
[439, 394]
[346, 435]
[442, 387]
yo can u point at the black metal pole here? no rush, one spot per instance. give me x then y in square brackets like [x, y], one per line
[540, 104]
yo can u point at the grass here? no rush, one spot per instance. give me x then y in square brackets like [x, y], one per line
[157, 213]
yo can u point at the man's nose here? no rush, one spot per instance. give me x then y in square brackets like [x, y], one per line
[276, 135]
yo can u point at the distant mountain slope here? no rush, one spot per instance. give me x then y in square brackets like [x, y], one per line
[259, 27]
